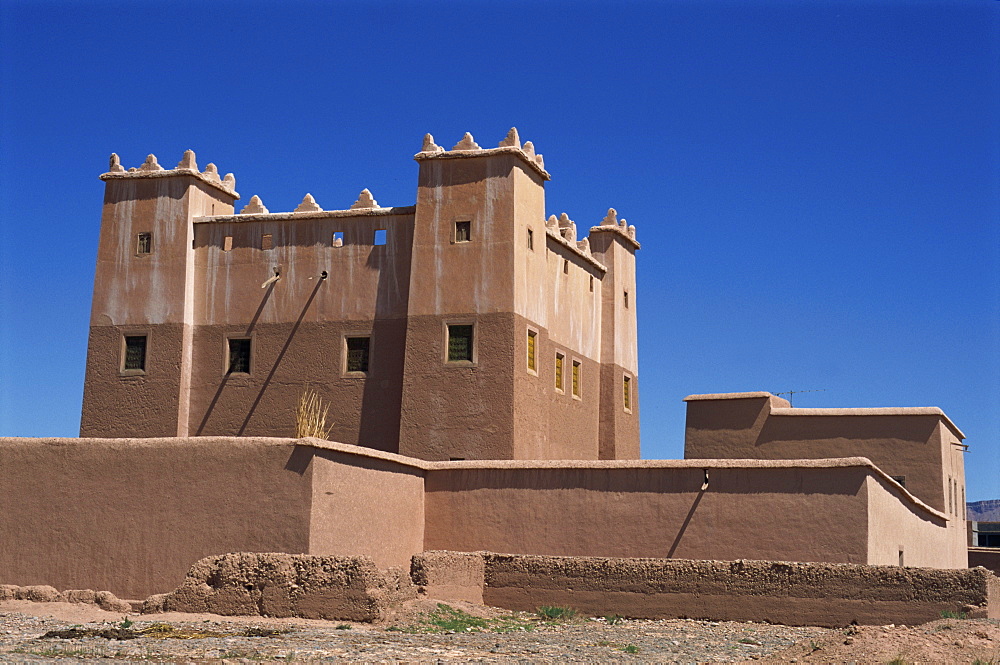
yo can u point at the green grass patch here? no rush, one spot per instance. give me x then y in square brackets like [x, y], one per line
[948, 614]
[447, 619]
[556, 613]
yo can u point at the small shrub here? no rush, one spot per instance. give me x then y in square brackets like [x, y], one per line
[613, 619]
[630, 648]
[342, 626]
[948, 614]
[310, 416]
[556, 613]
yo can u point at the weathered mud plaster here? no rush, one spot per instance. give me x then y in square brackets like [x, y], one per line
[287, 585]
[810, 594]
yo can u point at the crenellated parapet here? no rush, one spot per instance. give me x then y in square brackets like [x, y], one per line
[468, 148]
[187, 166]
[611, 224]
[562, 230]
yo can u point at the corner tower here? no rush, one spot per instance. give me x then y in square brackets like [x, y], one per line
[458, 378]
[143, 307]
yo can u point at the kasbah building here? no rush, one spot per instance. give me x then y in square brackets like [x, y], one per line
[480, 360]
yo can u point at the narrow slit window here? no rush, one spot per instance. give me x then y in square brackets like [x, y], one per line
[627, 387]
[463, 231]
[531, 240]
[560, 360]
[576, 378]
[626, 299]
[380, 237]
[338, 238]
[135, 353]
[239, 356]
[227, 244]
[565, 266]
[899, 479]
[460, 343]
[591, 283]
[267, 242]
[144, 243]
[532, 341]
[357, 353]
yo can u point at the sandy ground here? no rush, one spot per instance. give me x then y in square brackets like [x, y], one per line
[401, 639]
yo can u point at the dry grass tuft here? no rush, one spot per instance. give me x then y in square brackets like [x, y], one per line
[310, 416]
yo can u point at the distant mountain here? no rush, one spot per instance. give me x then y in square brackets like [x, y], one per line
[983, 511]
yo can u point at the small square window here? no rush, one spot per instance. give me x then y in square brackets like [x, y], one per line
[463, 231]
[266, 242]
[357, 353]
[338, 238]
[532, 360]
[459, 343]
[531, 240]
[627, 387]
[239, 356]
[576, 378]
[560, 361]
[144, 243]
[135, 353]
[227, 244]
[380, 237]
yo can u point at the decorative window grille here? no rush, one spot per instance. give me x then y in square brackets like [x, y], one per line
[357, 353]
[532, 364]
[239, 356]
[459, 343]
[463, 231]
[560, 359]
[144, 243]
[576, 378]
[135, 353]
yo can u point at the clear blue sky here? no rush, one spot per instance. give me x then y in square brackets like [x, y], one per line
[815, 184]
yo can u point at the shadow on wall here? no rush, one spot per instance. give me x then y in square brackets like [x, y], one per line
[382, 396]
[277, 360]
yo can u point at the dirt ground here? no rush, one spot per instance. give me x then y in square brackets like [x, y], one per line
[422, 631]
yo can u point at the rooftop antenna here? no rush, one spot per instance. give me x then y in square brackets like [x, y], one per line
[790, 393]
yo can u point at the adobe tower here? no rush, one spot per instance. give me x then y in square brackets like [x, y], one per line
[468, 326]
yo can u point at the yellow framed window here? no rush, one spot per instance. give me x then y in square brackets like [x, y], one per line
[576, 378]
[627, 387]
[560, 359]
[532, 347]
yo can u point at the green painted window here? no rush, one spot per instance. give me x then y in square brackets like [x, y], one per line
[135, 352]
[357, 353]
[459, 343]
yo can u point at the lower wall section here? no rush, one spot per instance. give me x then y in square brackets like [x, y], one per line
[776, 592]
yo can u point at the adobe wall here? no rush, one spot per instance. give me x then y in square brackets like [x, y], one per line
[131, 515]
[803, 510]
[778, 592]
[910, 538]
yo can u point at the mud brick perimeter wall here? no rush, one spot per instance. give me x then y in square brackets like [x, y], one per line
[778, 592]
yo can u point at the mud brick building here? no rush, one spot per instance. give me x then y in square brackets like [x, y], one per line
[467, 326]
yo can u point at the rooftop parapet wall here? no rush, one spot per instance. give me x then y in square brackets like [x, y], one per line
[467, 148]
[187, 166]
